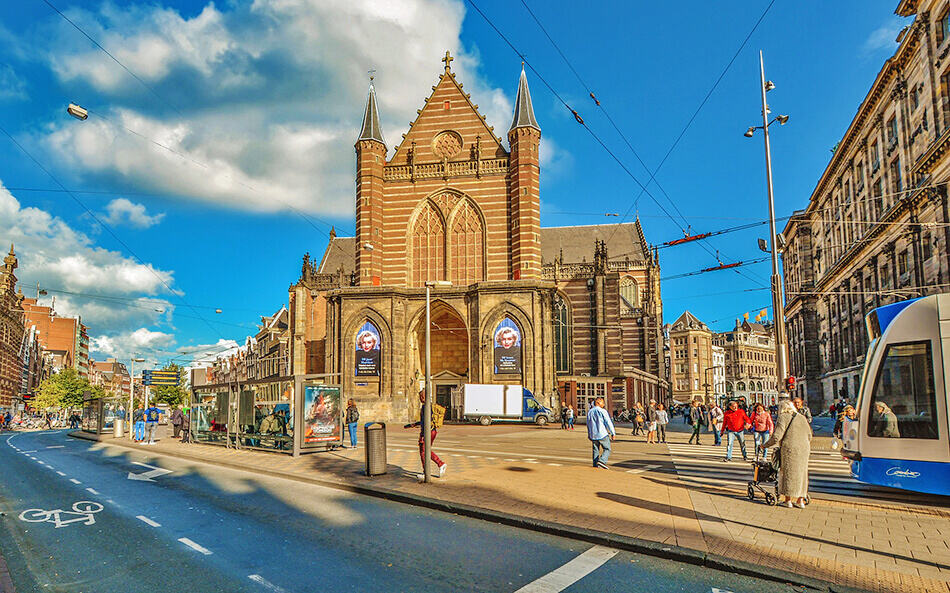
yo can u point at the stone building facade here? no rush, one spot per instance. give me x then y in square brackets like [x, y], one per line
[67, 338]
[691, 359]
[11, 332]
[515, 304]
[749, 360]
[877, 226]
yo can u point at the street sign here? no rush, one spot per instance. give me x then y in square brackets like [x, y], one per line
[161, 378]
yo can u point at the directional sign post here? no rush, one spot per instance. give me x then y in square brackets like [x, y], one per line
[158, 378]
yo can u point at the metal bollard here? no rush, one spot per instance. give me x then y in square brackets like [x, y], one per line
[374, 438]
[118, 427]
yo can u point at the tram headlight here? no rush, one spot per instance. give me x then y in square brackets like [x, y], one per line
[852, 435]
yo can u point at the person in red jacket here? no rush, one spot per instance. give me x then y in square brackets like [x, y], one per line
[735, 422]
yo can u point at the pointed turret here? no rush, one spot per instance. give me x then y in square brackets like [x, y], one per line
[524, 110]
[371, 128]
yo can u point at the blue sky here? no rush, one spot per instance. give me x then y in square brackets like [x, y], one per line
[258, 104]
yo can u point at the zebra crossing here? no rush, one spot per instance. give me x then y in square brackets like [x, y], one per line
[703, 465]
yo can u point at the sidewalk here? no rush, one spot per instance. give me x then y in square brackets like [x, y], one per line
[869, 546]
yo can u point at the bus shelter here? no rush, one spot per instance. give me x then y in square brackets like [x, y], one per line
[99, 413]
[294, 414]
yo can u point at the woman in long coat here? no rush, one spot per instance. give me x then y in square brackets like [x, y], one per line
[793, 437]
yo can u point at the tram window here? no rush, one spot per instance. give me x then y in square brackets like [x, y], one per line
[904, 401]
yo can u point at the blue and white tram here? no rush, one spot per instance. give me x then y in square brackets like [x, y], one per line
[900, 437]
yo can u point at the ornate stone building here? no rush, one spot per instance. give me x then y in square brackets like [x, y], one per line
[749, 361]
[877, 226]
[11, 332]
[691, 359]
[544, 308]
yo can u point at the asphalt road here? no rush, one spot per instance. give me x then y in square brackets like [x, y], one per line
[202, 528]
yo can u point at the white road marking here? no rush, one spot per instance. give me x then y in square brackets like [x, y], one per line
[91, 491]
[147, 476]
[147, 521]
[61, 473]
[56, 447]
[74, 481]
[194, 546]
[565, 576]
[640, 470]
[555, 464]
[718, 590]
[265, 583]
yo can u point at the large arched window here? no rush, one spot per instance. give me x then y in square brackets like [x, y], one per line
[562, 335]
[467, 243]
[629, 295]
[428, 247]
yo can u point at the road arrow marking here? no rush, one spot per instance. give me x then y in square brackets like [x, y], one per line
[718, 590]
[147, 476]
[647, 468]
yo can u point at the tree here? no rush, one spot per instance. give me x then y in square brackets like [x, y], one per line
[172, 395]
[63, 390]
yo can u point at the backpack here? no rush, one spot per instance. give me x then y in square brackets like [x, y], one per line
[438, 416]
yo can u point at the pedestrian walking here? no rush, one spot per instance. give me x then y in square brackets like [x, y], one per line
[138, 422]
[735, 422]
[175, 418]
[695, 420]
[563, 416]
[792, 436]
[186, 425]
[352, 420]
[570, 417]
[715, 423]
[600, 431]
[763, 428]
[802, 409]
[438, 416]
[151, 423]
[651, 422]
[662, 419]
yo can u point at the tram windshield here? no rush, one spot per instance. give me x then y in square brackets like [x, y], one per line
[904, 399]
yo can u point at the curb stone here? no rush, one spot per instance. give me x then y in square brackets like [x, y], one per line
[629, 544]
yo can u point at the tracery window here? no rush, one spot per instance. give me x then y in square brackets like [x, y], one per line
[562, 335]
[428, 247]
[629, 295]
[467, 246]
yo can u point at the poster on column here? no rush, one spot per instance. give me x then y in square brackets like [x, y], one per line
[507, 348]
[322, 421]
[368, 349]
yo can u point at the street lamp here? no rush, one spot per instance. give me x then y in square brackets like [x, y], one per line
[133, 360]
[77, 112]
[778, 297]
[427, 405]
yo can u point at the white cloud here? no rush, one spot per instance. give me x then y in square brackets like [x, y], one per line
[883, 38]
[142, 342]
[267, 97]
[124, 212]
[11, 86]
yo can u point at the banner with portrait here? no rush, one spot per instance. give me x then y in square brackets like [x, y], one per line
[507, 338]
[322, 421]
[368, 350]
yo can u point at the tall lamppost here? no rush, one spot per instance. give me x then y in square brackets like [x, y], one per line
[132, 360]
[427, 405]
[778, 296]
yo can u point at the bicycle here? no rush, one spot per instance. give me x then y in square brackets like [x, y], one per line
[83, 509]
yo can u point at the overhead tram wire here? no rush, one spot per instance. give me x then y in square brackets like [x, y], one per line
[108, 229]
[643, 188]
[717, 268]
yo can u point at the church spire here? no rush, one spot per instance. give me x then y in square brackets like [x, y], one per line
[524, 111]
[371, 128]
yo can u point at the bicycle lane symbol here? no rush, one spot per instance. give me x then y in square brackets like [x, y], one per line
[83, 513]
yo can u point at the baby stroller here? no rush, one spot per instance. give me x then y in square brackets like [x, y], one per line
[764, 473]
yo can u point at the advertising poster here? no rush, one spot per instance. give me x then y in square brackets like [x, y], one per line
[367, 351]
[507, 348]
[322, 421]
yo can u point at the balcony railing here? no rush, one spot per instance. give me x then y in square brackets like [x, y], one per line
[445, 169]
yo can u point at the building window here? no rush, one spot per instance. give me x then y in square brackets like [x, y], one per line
[467, 244]
[875, 158]
[943, 27]
[928, 248]
[629, 295]
[428, 247]
[562, 335]
[896, 183]
[891, 131]
[902, 262]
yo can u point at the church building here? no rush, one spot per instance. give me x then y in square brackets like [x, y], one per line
[568, 312]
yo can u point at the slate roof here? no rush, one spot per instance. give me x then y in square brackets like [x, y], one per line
[576, 243]
[687, 320]
[524, 110]
[371, 129]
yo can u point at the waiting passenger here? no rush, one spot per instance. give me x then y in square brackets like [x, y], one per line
[884, 423]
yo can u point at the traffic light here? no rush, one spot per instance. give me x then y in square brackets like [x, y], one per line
[790, 384]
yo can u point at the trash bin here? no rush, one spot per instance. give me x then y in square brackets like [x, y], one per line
[118, 427]
[374, 439]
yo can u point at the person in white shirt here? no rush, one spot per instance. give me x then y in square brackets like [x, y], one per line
[715, 421]
[600, 431]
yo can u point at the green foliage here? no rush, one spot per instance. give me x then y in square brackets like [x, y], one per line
[172, 395]
[63, 390]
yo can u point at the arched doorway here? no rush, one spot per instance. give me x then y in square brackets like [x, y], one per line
[449, 354]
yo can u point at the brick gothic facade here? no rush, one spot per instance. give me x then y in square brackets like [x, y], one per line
[11, 332]
[452, 204]
[877, 226]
